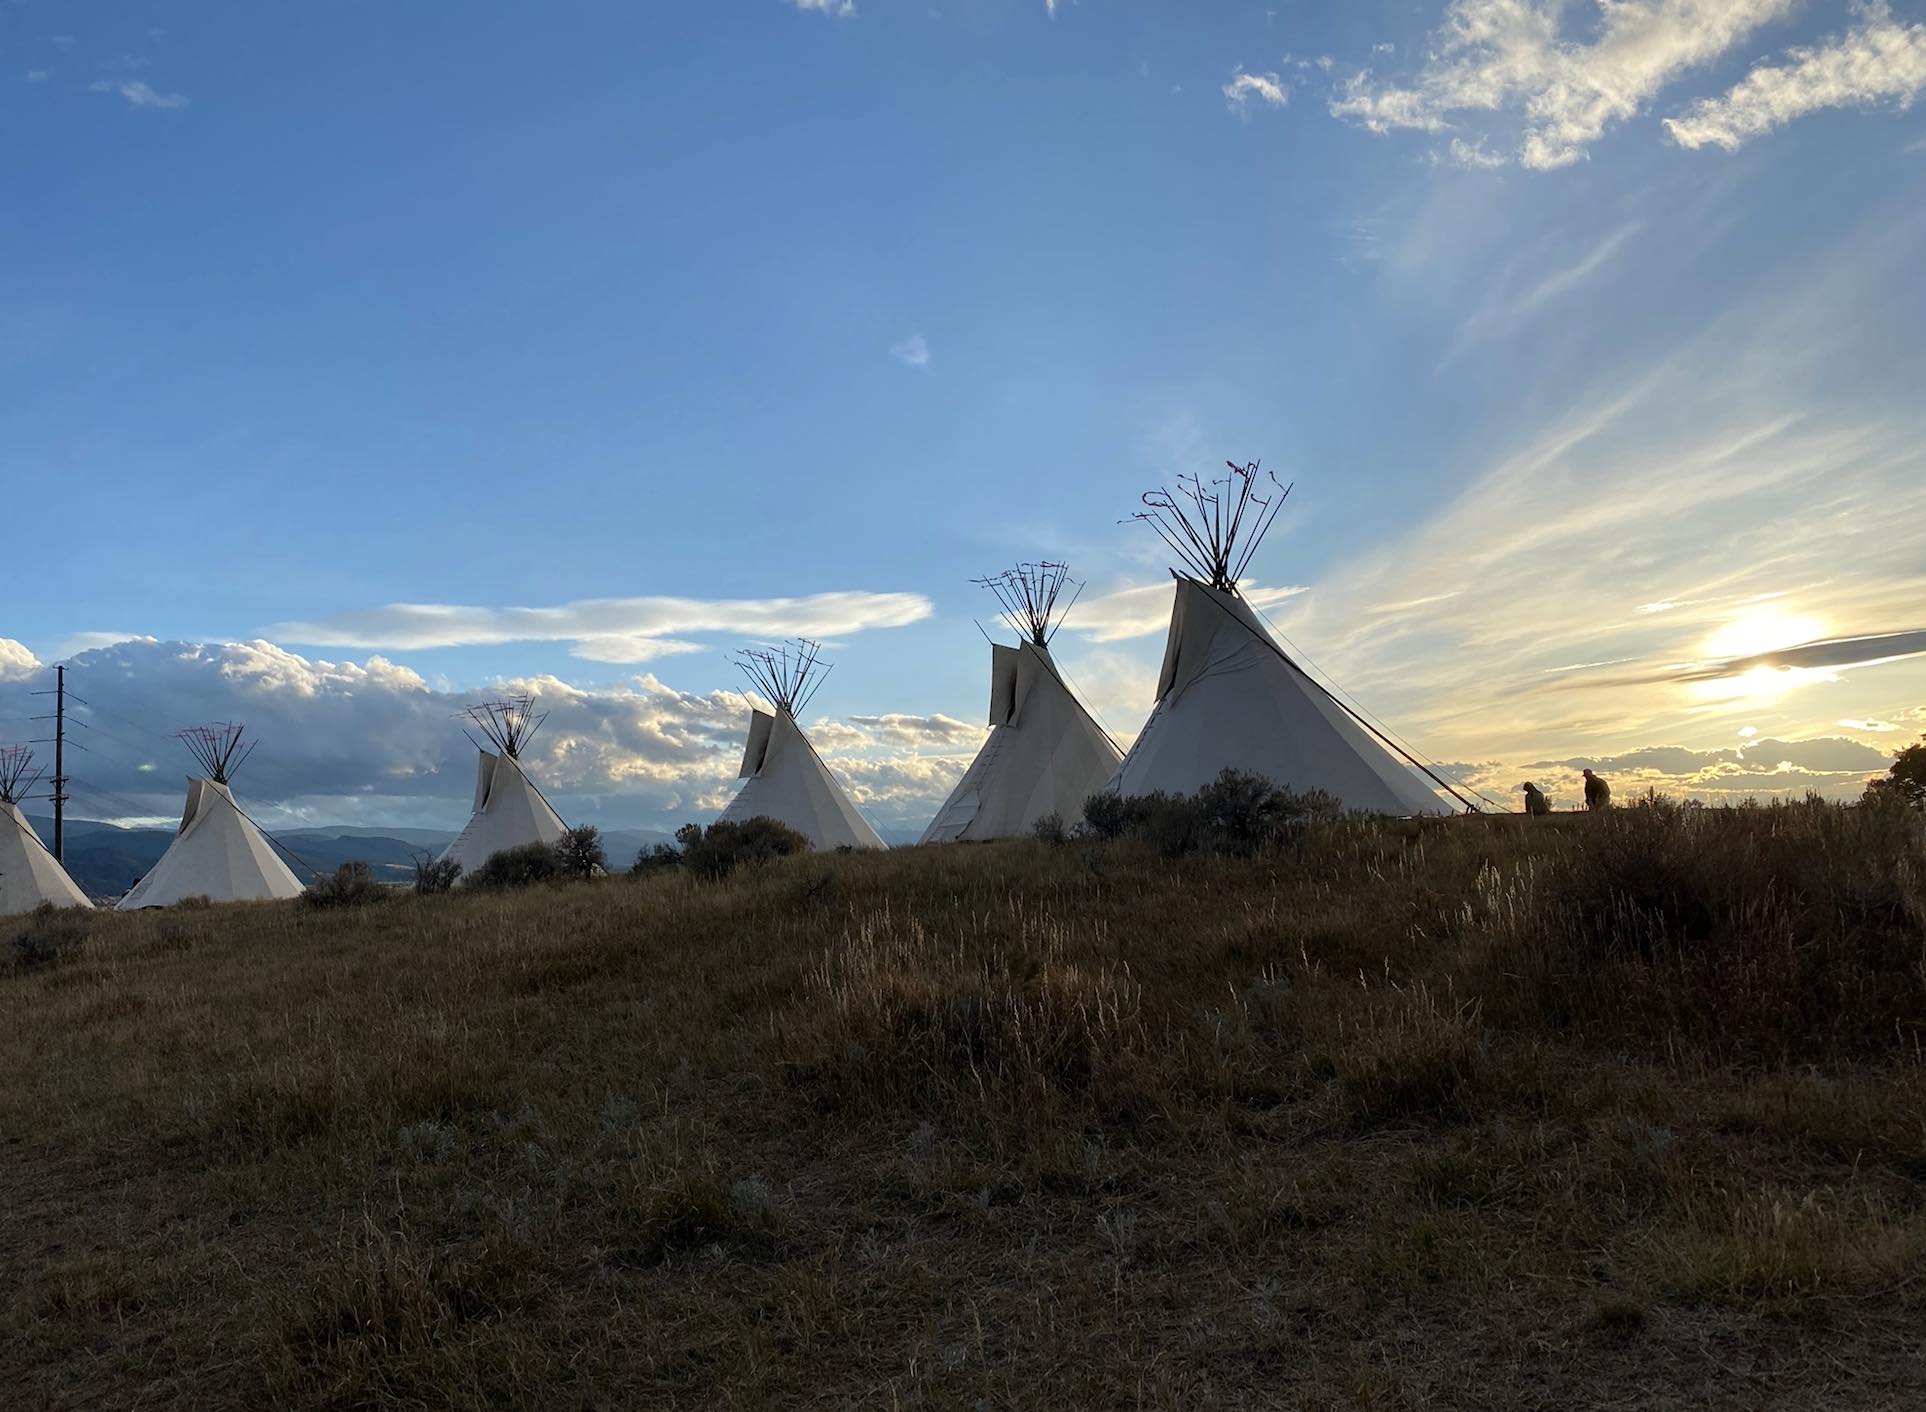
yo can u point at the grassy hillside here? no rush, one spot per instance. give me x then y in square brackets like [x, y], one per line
[1616, 1112]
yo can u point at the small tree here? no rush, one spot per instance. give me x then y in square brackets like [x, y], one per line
[579, 853]
[1905, 782]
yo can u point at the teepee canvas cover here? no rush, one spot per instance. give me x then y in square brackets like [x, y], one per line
[786, 780]
[218, 854]
[1228, 696]
[509, 811]
[1044, 755]
[783, 777]
[29, 875]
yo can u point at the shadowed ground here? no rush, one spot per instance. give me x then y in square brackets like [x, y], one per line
[1617, 1113]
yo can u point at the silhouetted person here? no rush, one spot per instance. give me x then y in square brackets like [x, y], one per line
[1598, 794]
[1535, 801]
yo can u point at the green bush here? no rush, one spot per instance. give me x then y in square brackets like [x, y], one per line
[518, 867]
[350, 885]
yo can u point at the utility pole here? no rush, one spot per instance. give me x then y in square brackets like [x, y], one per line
[59, 780]
[60, 765]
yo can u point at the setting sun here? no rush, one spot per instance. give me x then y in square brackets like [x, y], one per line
[1762, 630]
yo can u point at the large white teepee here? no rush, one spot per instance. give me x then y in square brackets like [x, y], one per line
[1228, 696]
[783, 777]
[29, 874]
[218, 854]
[509, 810]
[1044, 755]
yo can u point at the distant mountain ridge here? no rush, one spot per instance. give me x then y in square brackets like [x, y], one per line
[107, 859]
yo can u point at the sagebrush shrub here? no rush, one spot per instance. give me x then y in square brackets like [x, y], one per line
[517, 867]
[728, 844]
[350, 885]
[1236, 813]
[435, 875]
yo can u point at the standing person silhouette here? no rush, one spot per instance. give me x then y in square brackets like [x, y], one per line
[1535, 801]
[1598, 794]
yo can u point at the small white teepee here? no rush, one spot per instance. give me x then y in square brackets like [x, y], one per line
[218, 854]
[1228, 695]
[783, 777]
[1045, 755]
[509, 810]
[29, 874]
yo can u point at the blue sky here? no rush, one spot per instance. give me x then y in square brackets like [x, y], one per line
[1591, 339]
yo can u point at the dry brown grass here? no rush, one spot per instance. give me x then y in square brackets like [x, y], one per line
[1623, 1112]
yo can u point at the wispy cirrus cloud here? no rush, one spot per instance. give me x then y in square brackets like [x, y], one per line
[608, 629]
[1683, 551]
[1534, 281]
[1139, 611]
[1878, 60]
[840, 9]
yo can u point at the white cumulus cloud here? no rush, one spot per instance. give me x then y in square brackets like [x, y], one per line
[16, 663]
[138, 93]
[1263, 88]
[912, 352]
[1513, 57]
[1877, 61]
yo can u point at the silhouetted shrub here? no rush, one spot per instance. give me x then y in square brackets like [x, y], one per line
[1049, 829]
[517, 867]
[579, 852]
[726, 845]
[435, 875]
[1904, 783]
[350, 885]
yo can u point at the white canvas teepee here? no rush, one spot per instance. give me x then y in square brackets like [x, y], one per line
[1045, 755]
[509, 809]
[1229, 696]
[218, 854]
[29, 874]
[783, 777]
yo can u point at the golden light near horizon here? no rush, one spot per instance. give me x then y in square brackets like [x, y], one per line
[1750, 634]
